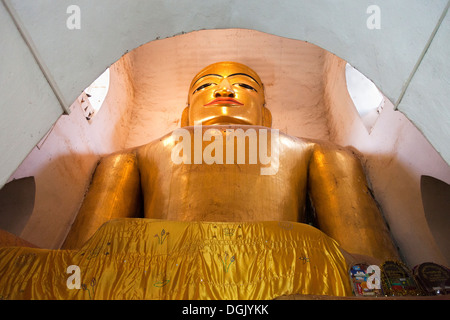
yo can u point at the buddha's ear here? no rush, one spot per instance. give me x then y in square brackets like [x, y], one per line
[185, 117]
[267, 117]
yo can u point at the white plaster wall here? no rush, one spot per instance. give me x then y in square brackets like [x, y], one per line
[63, 162]
[395, 156]
[28, 105]
[291, 70]
[427, 100]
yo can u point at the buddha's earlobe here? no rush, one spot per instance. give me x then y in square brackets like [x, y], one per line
[185, 117]
[267, 117]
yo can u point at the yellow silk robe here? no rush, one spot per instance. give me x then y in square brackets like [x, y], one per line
[157, 259]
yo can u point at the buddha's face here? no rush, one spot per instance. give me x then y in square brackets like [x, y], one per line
[226, 93]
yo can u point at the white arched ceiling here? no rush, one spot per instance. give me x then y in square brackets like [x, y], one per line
[46, 65]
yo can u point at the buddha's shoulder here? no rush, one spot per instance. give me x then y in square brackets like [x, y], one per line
[204, 133]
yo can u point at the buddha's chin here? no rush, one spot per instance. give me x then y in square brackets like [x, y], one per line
[226, 120]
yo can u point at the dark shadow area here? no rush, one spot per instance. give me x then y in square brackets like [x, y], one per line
[16, 204]
[436, 204]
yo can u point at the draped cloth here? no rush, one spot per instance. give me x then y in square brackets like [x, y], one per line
[155, 259]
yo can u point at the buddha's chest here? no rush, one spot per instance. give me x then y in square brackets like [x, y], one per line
[240, 189]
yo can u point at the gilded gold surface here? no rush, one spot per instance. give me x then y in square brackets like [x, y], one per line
[231, 96]
[202, 229]
[224, 192]
[227, 93]
[114, 193]
[344, 205]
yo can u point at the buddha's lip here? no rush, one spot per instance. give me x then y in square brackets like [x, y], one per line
[224, 101]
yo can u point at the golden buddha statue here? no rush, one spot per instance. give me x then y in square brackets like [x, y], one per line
[217, 209]
[226, 98]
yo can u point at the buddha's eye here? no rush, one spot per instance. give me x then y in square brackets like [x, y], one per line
[203, 86]
[246, 86]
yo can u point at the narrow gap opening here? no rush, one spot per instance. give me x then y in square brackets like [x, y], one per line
[93, 96]
[368, 100]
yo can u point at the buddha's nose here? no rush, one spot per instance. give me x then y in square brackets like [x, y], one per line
[225, 90]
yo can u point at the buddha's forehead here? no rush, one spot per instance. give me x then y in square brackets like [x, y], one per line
[225, 69]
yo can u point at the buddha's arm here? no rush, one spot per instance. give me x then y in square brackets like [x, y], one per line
[344, 206]
[114, 193]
